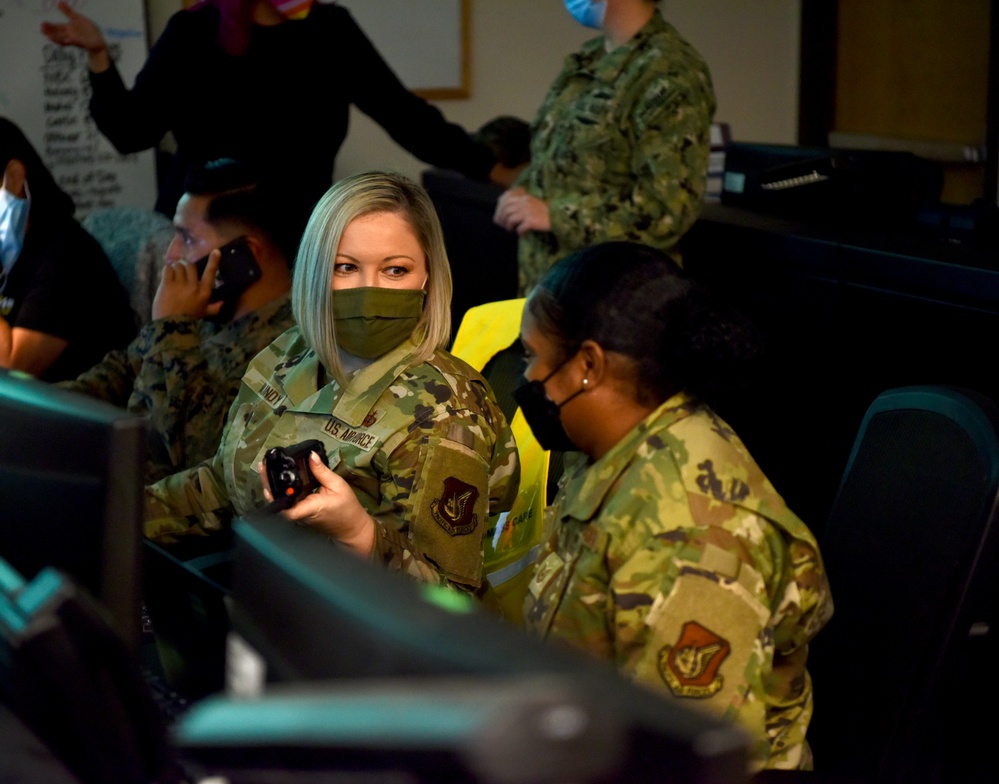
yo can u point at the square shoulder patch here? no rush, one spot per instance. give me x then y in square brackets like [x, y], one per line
[704, 638]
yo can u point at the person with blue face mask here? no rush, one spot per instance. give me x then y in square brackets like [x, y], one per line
[61, 304]
[589, 13]
[620, 146]
[14, 203]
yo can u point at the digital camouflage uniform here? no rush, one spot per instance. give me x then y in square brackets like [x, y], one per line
[674, 557]
[619, 148]
[424, 447]
[182, 374]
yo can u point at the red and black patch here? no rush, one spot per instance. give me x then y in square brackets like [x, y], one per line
[690, 666]
[454, 510]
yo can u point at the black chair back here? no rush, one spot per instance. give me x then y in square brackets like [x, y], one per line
[910, 549]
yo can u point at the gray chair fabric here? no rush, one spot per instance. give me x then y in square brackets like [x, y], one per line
[135, 241]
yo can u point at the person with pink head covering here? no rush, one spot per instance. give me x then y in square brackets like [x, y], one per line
[265, 81]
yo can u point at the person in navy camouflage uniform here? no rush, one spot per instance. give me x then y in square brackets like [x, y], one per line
[620, 146]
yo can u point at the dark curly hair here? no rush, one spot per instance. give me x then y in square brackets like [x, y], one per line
[636, 301]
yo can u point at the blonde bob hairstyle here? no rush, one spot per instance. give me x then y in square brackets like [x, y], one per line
[312, 285]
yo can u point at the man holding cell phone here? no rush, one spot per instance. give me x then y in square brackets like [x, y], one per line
[222, 298]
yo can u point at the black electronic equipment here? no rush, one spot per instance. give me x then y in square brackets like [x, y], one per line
[71, 492]
[69, 684]
[238, 269]
[288, 471]
[357, 669]
[872, 187]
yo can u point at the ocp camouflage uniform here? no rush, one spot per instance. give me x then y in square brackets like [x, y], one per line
[619, 148]
[674, 557]
[182, 374]
[424, 447]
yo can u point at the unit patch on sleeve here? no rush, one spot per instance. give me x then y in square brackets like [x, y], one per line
[454, 509]
[706, 638]
[690, 666]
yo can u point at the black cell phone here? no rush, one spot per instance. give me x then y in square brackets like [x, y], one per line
[237, 270]
[288, 471]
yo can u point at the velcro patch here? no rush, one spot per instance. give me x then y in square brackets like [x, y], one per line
[454, 509]
[690, 666]
[703, 639]
[449, 503]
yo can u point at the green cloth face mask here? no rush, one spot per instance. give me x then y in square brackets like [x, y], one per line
[371, 321]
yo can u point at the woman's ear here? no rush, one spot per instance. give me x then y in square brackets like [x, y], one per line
[594, 361]
[14, 177]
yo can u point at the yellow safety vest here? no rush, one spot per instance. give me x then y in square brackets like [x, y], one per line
[511, 545]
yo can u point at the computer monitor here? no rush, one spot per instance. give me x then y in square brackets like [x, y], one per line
[367, 669]
[71, 492]
[72, 704]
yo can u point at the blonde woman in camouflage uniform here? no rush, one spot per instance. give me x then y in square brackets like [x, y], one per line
[620, 145]
[419, 452]
[667, 551]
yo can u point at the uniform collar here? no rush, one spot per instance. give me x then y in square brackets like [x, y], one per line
[366, 386]
[369, 383]
[279, 308]
[587, 489]
[593, 57]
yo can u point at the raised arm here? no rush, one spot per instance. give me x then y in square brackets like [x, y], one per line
[412, 122]
[132, 120]
[79, 31]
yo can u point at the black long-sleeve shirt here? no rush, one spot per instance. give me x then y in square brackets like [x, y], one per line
[283, 104]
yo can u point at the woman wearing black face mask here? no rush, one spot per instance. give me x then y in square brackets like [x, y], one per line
[668, 552]
[420, 454]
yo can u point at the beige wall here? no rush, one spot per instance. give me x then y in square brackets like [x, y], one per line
[752, 47]
[518, 47]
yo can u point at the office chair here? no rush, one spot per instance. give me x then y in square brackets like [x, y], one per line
[184, 594]
[136, 241]
[910, 549]
[489, 340]
[483, 256]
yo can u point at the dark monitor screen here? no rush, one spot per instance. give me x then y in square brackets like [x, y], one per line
[73, 707]
[339, 636]
[71, 492]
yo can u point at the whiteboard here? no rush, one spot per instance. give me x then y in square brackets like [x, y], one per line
[44, 89]
[424, 41]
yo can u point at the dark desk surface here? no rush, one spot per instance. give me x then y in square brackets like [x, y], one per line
[916, 262]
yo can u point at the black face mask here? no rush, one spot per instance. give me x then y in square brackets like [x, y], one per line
[541, 413]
